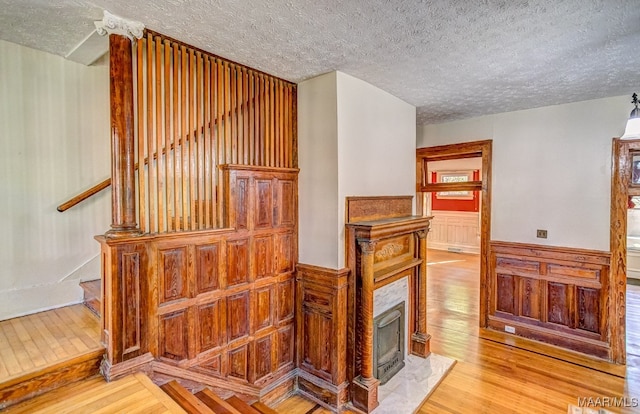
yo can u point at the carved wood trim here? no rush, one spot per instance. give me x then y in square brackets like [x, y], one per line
[621, 164]
[377, 207]
[456, 151]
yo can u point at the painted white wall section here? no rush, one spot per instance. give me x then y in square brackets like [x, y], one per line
[54, 135]
[551, 169]
[318, 179]
[376, 145]
[353, 140]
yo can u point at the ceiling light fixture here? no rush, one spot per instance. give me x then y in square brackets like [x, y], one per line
[632, 131]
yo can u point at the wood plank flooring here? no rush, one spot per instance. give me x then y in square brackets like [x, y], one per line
[31, 343]
[132, 394]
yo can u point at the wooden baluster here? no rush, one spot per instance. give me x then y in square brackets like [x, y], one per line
[167, 133]
[245, 117]
[150, 134]
[220, 137]
[251, 116]
[192, 140]
[287, 137]
[294, 127]
[184, 136]
[208, 125]
[227, 111]
[281, 112]
[141, 137]
[177, 142]
[262, 136]
[198, 139]
[238, 113]
[159, 140]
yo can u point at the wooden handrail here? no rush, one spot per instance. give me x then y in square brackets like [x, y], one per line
[84, 195]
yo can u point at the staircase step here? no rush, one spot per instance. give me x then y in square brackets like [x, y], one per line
[263, 408]
[92, 295]
[217, 404]
[241, 406]
[185, 399]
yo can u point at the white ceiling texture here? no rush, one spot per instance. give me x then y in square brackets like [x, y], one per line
[452, 59]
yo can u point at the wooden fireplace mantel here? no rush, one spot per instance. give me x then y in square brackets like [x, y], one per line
[380, 252]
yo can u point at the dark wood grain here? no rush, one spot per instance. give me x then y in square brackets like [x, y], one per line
[190, 403]
[552, 294]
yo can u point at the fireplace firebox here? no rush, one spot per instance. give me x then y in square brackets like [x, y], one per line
[388, 343]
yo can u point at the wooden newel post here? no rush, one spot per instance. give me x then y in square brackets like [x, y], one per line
[420, 338]
[365, 386]
[123, 195]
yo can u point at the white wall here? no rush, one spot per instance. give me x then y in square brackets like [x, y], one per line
[54, 135]
[318, 179]
[551, 169]
[354, 139]
[376, 145]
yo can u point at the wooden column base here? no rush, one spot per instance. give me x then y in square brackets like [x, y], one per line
[420, 344]
[364, 393]
[116, 233]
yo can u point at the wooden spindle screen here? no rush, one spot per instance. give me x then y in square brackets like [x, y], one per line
[194, 112]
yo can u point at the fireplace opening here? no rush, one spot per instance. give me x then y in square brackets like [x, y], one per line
[388, 343]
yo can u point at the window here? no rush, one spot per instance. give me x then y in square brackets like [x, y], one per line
[455, 177]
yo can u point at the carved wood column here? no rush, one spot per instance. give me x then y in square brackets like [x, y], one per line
[420, 338]
[365, 386]
[123, 195]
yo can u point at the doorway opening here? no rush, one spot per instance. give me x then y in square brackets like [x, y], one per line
[447, 183]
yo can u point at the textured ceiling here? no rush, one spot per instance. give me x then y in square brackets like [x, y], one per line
[451, 59]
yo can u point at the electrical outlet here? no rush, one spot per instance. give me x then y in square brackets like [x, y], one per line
[509, 329]
[541, 234]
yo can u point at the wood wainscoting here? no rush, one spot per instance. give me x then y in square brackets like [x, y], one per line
[321, 307]
[215, 306]
[556, 295]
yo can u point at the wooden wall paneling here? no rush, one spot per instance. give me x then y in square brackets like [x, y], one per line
[551, 294]
[321, 307]
[284, 252]
[286, 300]
[262, 357]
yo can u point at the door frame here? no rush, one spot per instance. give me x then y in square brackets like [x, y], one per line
[621, 165]
[473, 149]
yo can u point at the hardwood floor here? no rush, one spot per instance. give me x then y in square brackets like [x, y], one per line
[30, 343]
[132, 394]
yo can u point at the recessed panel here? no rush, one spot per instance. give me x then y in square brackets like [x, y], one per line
[207, 261]
[237, 262]
[504, 293]
[264, 204]
[558, 303]
[284, 252]
[530, 297]
[172, 268]
[174, 335]
[589, 309]
[286, 300]
[209, 324]
[238, 315]
[263, 307]
[238, 360]
[263, 256]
